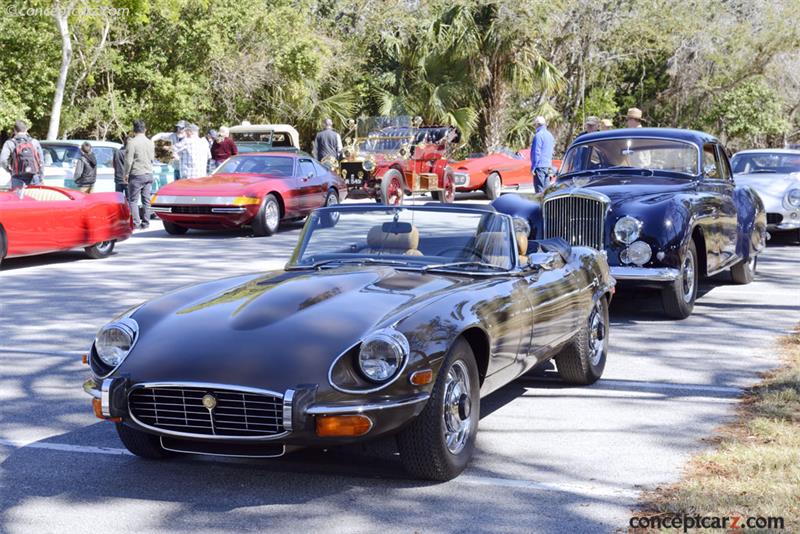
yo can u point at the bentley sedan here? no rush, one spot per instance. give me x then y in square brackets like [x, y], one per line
[662, 203]
[387, 321]
[257, 190]
[775, 175]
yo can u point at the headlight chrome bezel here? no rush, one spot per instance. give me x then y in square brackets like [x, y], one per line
[368, 165]
[128, 327]
[634, 228]
[792, 199]
[395, 340]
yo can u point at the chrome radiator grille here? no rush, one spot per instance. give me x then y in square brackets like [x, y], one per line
[182, 409]
[579, 220]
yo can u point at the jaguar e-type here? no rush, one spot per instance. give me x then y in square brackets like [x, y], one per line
[386, 321]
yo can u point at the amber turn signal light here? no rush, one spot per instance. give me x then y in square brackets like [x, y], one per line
[85, 359]
[343, 425]
[97, 406]
[420, 378]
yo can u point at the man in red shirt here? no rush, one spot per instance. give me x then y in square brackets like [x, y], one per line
[223, 147]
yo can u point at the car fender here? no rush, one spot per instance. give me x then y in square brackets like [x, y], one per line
[524, 207]
[751, 222]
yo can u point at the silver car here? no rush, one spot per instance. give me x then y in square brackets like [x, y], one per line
[775, 175]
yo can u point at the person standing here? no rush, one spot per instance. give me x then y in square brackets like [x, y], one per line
[592, 124]
[606, 124]
[634, 118]
[176, 138]
[327, 143]
[120, 185]
[139, 155]
[193, 153]
[223, 147]
[22, 157]
[85, 174]
[541, 155]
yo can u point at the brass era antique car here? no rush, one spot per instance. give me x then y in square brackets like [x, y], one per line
[386, 321]
[386, 158]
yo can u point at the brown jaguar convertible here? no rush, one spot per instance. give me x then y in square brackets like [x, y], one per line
[386, 321]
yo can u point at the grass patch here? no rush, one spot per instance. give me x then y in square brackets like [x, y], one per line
[754, 470]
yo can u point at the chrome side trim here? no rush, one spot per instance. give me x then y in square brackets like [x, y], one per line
[160, 209]
[204, 437]
[785, 225]
[327, 409]
[189, 200]
[283, 451]
[658, 274]
[105, 398]
[288, 398]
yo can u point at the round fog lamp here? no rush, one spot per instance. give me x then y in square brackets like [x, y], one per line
[369, 165]
[637, 253]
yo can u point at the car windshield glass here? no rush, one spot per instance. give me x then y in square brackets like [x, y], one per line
[274, 165]
[60, 154]
[457, 240]
[765, 163]
[631, 152]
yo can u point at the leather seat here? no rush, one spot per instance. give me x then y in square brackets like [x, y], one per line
[45, 195]
[393, 238]
[522, 247]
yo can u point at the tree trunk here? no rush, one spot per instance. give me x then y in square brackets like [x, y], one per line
[61, 15]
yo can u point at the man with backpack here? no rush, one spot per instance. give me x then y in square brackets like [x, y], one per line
[22, 157]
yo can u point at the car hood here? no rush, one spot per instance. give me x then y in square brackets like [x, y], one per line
[621, 188]
[216, 184]
[274, 330]
[768, 186]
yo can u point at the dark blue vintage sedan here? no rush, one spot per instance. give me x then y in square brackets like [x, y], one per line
[661, 202]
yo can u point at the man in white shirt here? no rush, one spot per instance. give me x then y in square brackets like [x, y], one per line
[193, 153]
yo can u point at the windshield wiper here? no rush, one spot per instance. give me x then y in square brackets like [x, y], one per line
[351, 260]
[463, 264]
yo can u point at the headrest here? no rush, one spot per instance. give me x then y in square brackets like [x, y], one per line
[522, 243]
[405, 239]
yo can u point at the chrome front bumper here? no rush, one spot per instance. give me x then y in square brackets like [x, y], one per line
[657, 274]
[785, 225]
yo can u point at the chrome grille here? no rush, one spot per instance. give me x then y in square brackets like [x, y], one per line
[181, 409]
[578, 219]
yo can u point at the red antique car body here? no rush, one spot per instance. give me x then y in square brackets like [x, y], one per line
[254, 189]
[509, 170]
[47, 219]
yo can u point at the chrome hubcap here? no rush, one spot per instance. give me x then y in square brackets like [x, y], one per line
[457, 405]
[688, 276]
[331, 200]
[597, 335]
[271, 215]
[104, 246]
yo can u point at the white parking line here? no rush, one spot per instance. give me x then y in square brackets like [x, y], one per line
[588, 490]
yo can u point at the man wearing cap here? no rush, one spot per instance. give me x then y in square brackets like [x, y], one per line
[541, 155]
[592, 124]
[606, 124]
[176, 138]
[634, 118]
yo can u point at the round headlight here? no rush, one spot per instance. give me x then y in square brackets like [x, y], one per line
[638, 253]
[369, 165]
[115, 340]
[382, 354]
[627, 229]
[793, 198]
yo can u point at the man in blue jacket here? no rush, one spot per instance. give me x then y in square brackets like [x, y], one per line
[541, 155]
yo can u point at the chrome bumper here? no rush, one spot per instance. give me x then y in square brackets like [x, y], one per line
[785, 225]
[328, 409]
[657, 274]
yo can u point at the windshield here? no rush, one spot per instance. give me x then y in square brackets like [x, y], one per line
[60, 154]
[766, 163]
[275, 165]
[632, 152]
[415, 238]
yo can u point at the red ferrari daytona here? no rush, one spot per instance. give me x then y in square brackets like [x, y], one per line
[257, 190]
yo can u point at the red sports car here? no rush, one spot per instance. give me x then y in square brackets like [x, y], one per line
[500, 169]
[41, 219]
[256, 189]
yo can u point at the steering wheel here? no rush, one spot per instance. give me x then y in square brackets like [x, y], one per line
[472, 250]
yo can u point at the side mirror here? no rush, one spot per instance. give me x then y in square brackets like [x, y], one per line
[545, 261]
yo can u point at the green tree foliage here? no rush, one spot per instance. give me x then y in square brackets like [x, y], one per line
[749, 112]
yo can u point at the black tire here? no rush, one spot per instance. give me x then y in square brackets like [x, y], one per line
[100, 250]
[174, 229]
[493, 186]
[392, 188]
[424, 452]
[2, 245]
[268, 217]
[332, 198]
[142, 444]
[583, 359]
[678, 297]
[742, 273]
[435, 196]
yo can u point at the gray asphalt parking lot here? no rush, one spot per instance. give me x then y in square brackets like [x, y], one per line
[550, 458]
